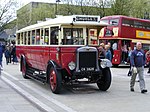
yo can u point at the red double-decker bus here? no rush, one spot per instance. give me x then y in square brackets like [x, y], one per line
[59, 51]
[123, 32]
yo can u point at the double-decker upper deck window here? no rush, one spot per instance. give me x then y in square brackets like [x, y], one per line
[114, 22]
[138, 24]
[105, 21]
[73, 36]
[127, 22]
[146, 25]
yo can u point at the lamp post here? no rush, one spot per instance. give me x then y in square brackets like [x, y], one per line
[57, 1]
[146, 13]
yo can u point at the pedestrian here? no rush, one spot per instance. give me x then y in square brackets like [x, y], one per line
[129, 55]
[14, 54]
[103, 45]
[137, 61]
[108, 54]
[101, 52]
[148, 60]
[1, 54]
[111, 50]
[124, 54]
[10, 50]
[7, 54]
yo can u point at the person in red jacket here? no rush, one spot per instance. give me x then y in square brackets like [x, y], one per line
[147, 57]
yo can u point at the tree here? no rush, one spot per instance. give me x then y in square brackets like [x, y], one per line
[121, 7]
[7, 12]
[86, 6]
[24, 17]
[83, 7]
[140, 8]
[68, 7]
[102, 7]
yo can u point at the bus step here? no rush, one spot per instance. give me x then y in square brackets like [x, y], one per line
[36, 78]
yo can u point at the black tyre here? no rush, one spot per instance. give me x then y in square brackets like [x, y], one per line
[55, 80]
[105, 82]
[115, 65]
[24, 68]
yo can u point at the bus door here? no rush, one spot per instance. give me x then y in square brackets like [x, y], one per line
[125, 47]
[115, 45]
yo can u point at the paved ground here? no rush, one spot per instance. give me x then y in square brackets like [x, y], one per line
[11, 101]
[80, 98]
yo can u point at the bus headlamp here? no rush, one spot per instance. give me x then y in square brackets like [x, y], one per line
[105, 63]
[71, 65]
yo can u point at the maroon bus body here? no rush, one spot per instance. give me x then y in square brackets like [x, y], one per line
[38, 56]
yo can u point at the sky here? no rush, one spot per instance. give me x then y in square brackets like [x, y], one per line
[24, 2]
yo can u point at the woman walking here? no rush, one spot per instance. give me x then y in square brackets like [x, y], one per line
[7, 55]
[14, 54]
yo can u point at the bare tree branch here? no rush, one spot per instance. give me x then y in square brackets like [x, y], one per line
[7, 12]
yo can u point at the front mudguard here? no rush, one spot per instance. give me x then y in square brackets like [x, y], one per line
[105, 63]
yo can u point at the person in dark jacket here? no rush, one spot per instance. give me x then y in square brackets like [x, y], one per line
[101, 52]
[7, 55]
[129, 54]
[1, 54]
[137, 61]
[111, 50]
[14, 54]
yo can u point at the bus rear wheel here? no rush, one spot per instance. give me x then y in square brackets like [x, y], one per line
[24, 68]
[55, 80]
[105, 82]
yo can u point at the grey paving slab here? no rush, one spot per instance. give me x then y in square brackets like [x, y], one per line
[117, 99]
[11, 101]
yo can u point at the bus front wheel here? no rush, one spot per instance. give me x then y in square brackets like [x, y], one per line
[105, 82]
[55, 80]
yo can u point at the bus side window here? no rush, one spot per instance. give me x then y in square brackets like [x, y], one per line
[18, 38]
[25, 38]
[21, 38]
[54, 35]
[29, 36]
[42, 36]
[37, 36]
[67, 40]
[33, 37]
[46, 37]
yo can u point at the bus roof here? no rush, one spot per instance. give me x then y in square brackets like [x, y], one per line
[68, 20]
[121, 16]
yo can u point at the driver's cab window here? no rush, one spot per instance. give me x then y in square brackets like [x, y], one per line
[93, 36]
[54, 35]
[73, 36]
